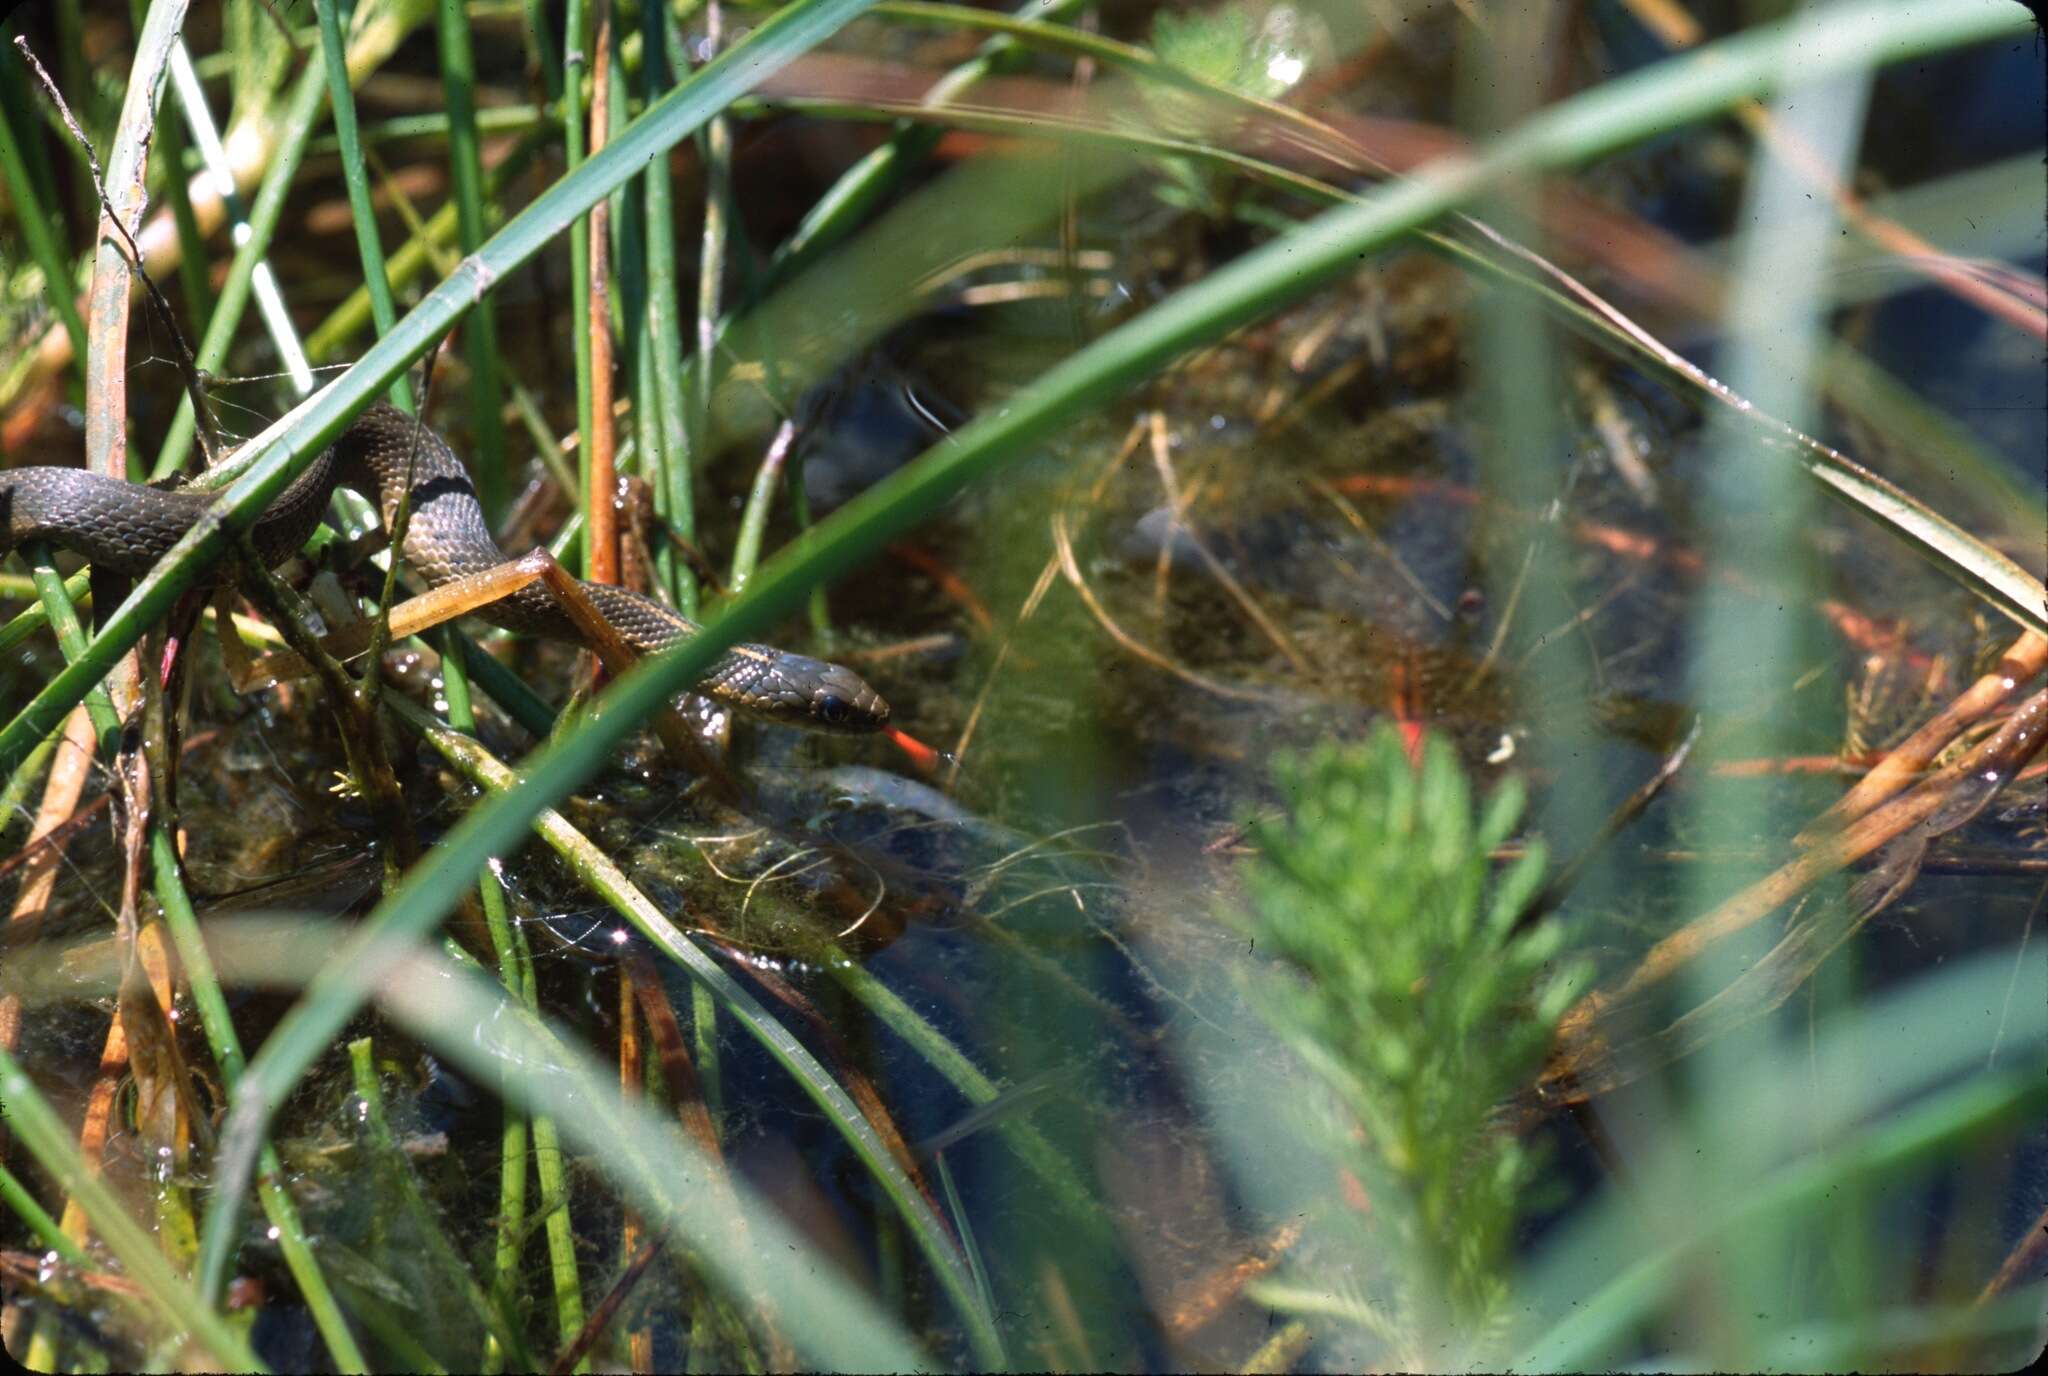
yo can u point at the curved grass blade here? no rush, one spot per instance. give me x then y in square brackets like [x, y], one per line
[1969, 559]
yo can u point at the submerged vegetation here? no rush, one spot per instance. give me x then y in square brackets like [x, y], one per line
[1411, 995]
[1407, 838]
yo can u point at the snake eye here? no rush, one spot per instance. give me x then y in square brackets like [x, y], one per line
[834, 710]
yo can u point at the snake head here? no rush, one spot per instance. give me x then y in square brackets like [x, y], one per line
[841, 701]
[795, 690]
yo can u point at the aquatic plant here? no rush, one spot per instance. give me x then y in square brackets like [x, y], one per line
[1412, 992]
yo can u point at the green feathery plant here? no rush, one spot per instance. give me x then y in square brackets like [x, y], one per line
[1406, 989]
[1238, 48]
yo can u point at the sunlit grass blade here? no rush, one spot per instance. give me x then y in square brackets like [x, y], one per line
[301, 115]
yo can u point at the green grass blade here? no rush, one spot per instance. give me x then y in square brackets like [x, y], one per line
[576, 61]
[416, 255]
[669, 465]
[221, 1038]
[389, 1163]
[861, 187]
[479, 330]
[301, 116]
[1605, 1321]
[342, 101]
[34, 218]
[1897, 1049]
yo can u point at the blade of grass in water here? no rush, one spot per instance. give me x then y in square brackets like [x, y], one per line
[47, 1230]
[1604, 1322]
[389, 1162]
[286, 1224]
[516, 975]
[1899, 1048]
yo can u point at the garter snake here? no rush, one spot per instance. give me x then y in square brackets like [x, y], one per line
[127, 527]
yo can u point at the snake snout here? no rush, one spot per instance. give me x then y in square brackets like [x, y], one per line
[840, 700]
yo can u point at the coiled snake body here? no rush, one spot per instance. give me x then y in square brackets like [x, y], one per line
[127, 527]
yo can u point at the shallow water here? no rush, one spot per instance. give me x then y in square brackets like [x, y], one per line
[1112, 644]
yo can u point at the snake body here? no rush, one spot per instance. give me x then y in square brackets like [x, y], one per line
[127, 527]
